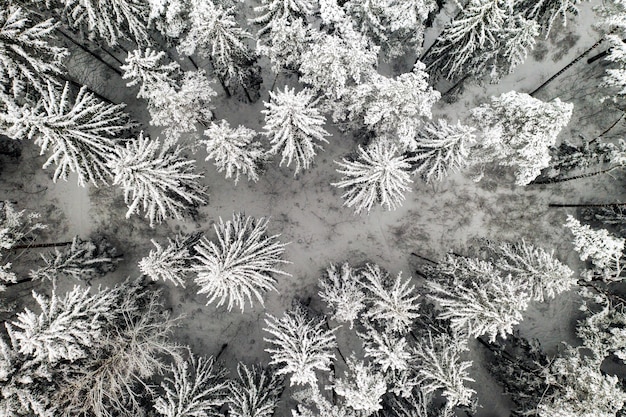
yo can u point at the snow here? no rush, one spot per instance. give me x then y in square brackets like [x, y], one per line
[307, 210]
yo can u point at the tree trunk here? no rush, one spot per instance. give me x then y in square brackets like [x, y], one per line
[222, 350]
[565, 68]
[456, 85]
[576, 177]
[588, 205]
[424, 258]
[90, 52]
[42, 245]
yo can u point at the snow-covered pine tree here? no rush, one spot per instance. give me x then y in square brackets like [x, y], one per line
[517, 131]
[441, 149]
[362, 388]
[540, 270]
[256, 393]
[392, 303]
[604, 332]
[27, 58]
[613, 23]
[168, 16]
[342, 293]
[293, 124]
[197, 388]
[178, 109]
[568, 157]
[387, 350]
[394, 107]
[170, 263]
[67, 328]
[176, 101]
[144, 68]
[311, 403]
[476, 30]
[517, 37]
[301, 345]
[335, 62]
[272, 11]
[234, 150]
[604, 251]
[476, 297]
[112, 380]
[79, 134]
[577, 387]
[158, 180]
[378, 175]
[285, 43]
[109, 20]
[82, 260]
[547, 12]
[215, 34]
[394, 25]
[440, 367]
[240, 265]
[14, 230]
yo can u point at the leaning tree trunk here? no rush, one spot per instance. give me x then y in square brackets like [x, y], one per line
[565, 68]
[575, 177]
[90, 52]
[588, 205]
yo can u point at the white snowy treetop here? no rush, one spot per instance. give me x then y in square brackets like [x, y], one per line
[341, 291]
[379, 175]
[239, 266]
[234, 150]
[197, 388]
[109, 20]
[79, 135]
[285, 43]
[82, 260]
[392, 302]
[477, 298]
[67, 327]
[255, 394]
[362, 387]
[143, 68]
[108, 382]
[14, 227]
[613, 23]
[395, 106]
[26, 56]
[518, 131]
[441, 368]
[604, 251]
[516, 39]
[300, 346]
[547, 12]
[271, 11]
[388, 351]
[168, 16]
[475, 30]
[441, 148]
[155, 179]
[170, 263]
[334, 63]
[293, 124]
[604, 333]
[178, 109]
[545, 275]
[13, 230]
[311, 403]
[214, 33]
[176, 102]
[395, 25]
[581, 389]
